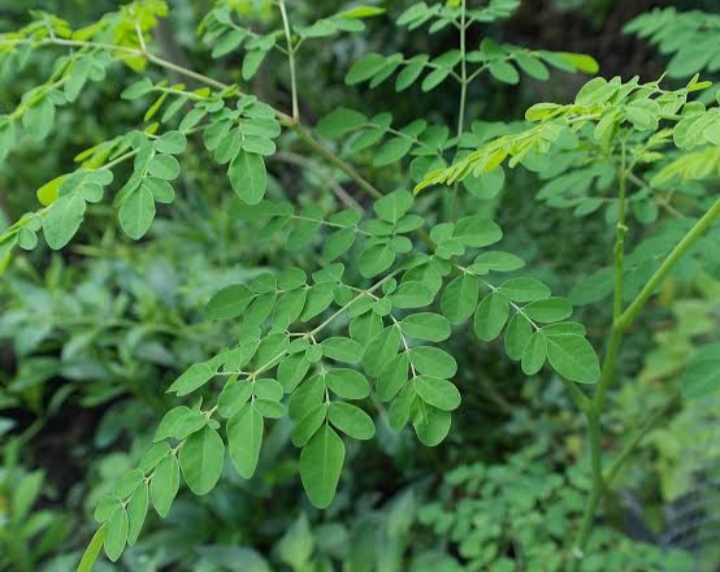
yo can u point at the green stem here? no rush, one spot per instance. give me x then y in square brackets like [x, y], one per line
[621, 323]
[594, 411]
[700, 227]
[291, 61]
[463, 69]
[328, 155]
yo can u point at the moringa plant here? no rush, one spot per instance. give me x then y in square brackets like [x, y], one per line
[392, 276]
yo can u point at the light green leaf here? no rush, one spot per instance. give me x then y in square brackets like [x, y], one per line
[431, 424]
[248, 177]
[38, 120]
[321, 463]
[137, 212]
[460, 299]
[194, 377]
[116, 534]
[491, 316]
[309, 424]
[393, 377]
[341, 122]
[433, 361]
[165, 167]
[63, 220]
[517, 336]
[412, 294]
[504, 71]
[347, 383]
[137, 511]
[476, 232]
[245, 435]
[342, 349]
[524, 290]
[351, 420]
[165, 484]
[426, 326]
[201, 460]
[549, 310]
[573, 357]
[229, 302]
[365, 68]
[437, 392]
[376, 259]
[381, 349]
[535, 353]
[392, 207]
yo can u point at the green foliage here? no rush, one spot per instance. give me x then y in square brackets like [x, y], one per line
[344, 310]
[687, 36]
[496, 522]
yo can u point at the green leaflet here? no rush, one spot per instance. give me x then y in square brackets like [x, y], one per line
[245, 435]
[431, 424]
[137, 212]
[248, 177]
[534, 353]
[433, 361]
[573, 357]
[347, 383]
[165, 484]
[351, 420]
[437, 392]
[524, 290]
[229, 302]
[63, 220]
[194, 377]
[491, 316]
[201, 460]
[460, 299]
[308, 425]
[426, 326]
[321, 463]
[116, 534]
[137, 511]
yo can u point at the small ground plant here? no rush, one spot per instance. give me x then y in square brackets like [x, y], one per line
[395, 273]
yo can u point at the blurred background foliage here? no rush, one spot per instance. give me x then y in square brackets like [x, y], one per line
[93, 336]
